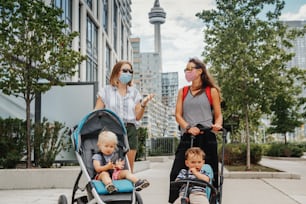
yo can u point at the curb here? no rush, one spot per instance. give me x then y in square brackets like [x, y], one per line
[47, 178]
[260, 175]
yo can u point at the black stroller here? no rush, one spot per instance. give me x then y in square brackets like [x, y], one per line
[84, 138]
[214, 195]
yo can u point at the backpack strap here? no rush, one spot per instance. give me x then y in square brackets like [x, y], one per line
[207, 91]
[185, 91]
[208, 94]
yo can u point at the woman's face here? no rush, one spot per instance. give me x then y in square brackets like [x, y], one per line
[125, 74]
[192, 72]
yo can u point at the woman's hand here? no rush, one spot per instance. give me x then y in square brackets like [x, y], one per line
[147, 99]
[216, 127]
[194, 131]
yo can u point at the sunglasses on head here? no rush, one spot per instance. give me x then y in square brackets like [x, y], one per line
[127, 70]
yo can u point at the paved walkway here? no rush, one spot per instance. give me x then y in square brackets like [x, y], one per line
[235, 191]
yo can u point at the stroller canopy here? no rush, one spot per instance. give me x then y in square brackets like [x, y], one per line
[93, 123]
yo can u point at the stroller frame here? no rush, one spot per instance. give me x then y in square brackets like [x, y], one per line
[84, 138]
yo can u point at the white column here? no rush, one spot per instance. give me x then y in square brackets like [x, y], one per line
[83, 27]
[75, 27]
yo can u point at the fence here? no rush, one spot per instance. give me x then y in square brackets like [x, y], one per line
[161, 146]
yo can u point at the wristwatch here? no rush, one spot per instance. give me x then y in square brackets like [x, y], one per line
[187, 128]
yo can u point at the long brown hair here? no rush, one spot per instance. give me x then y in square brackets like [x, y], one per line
[113, 80]
[206, 78]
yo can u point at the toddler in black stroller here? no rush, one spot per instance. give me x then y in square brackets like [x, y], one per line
[195, 183]
[97, 160]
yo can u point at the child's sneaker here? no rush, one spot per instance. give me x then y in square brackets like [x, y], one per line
[141, 184]
[111, 188]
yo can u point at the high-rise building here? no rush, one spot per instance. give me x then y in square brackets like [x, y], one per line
[159, 117]
[299, 60]
[169, 88]
[104, 28]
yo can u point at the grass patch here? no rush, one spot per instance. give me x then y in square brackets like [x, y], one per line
[254, 167]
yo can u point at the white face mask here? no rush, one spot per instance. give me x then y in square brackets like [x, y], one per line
[191, 75]
[125, 78]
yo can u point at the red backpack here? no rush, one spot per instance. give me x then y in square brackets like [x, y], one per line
[207, 91]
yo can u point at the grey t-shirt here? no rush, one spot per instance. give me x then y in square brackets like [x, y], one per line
[197, 110]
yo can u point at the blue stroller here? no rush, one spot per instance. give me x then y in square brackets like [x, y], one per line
[84, 138]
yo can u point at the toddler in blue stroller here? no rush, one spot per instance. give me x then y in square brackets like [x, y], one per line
[85, 140]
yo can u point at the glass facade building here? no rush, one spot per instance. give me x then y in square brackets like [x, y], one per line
[104, 31]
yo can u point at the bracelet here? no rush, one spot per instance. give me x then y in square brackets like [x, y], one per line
[143, 106]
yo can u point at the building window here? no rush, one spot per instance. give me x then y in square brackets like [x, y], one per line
[89, 3]
[66, 6]
[122, 40]
[108, 68]
[105, 14]
[115, 24]
[91, 50]
[91, 70]
[92, 39]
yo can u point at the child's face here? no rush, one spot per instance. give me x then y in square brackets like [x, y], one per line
[107, 147]
[194, 161]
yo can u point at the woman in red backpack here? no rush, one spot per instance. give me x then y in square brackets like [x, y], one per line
[197, 105]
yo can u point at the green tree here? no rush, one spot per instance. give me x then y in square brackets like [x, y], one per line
[142, 137]
[35, 46]
[247, 50]
[286, 114]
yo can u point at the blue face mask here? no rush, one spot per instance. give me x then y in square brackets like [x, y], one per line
[125, 78]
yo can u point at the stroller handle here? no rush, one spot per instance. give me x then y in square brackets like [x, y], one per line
[193, 182]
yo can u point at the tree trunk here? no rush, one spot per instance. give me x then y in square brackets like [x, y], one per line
[28, 133]
[247, 132]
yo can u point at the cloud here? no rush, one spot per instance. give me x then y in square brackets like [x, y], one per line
[300, 15]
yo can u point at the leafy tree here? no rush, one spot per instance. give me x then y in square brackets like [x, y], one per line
[35, 46]
[50, 140]
[247, 50]
[285, 118]
[142, 137]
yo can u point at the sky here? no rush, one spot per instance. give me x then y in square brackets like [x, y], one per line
[182, 33]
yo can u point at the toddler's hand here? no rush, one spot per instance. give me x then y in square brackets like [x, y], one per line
[119, 164]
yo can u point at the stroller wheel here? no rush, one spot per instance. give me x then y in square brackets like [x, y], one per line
[138, 198]
[62, 199]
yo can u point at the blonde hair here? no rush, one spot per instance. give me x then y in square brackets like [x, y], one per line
[107, 136]
[194, 151]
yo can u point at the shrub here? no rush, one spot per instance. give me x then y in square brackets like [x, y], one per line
[12, 142]
[49, 140]
[284, 150]
[235, 154]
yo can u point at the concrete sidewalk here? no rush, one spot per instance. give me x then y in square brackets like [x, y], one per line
[235, 191]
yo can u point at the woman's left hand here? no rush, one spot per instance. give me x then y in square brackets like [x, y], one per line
[216, 127]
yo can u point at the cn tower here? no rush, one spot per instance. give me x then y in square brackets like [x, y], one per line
[157, 16]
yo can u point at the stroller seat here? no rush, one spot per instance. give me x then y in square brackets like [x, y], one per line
[123, 186]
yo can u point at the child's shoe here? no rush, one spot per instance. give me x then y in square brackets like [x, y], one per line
[141, 184]
[111, 188]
